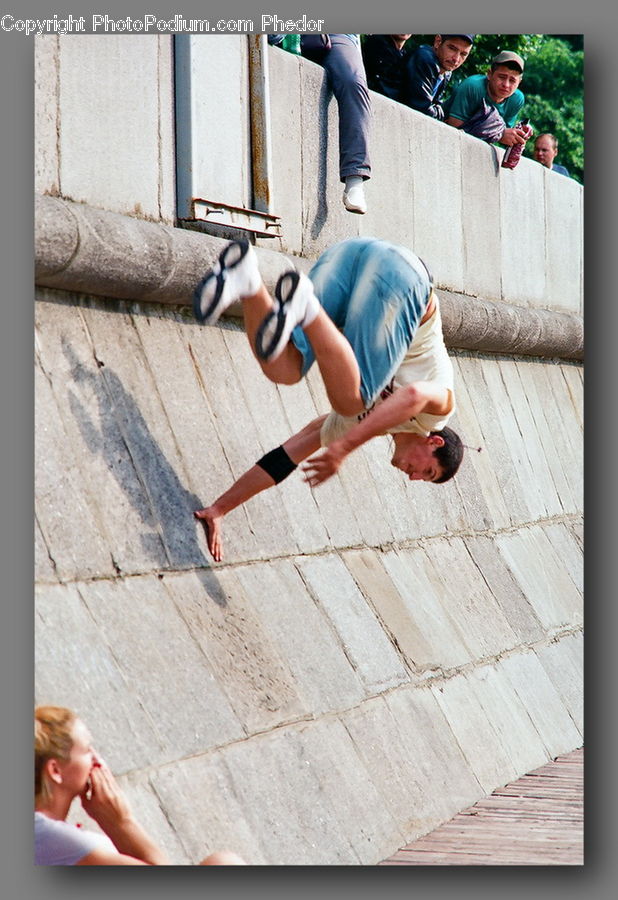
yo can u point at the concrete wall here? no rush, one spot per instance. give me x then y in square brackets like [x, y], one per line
[372, 656]
[104, 131]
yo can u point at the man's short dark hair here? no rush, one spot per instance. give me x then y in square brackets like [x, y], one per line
[449, 455]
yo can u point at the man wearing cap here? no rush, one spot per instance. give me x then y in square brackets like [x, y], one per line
[499, 89]
[429, 70]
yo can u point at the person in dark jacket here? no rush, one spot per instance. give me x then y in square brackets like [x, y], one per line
[429, 70]
[385, 56]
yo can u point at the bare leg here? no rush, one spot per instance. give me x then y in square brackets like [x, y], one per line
[337, 364]
[333, 353]
[286, 369]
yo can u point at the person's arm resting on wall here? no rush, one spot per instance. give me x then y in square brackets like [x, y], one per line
[419, 82]
[404, 404]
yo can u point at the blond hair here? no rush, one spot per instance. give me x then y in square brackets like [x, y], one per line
[52, 740]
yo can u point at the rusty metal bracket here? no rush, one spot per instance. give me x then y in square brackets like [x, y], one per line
[209, 212]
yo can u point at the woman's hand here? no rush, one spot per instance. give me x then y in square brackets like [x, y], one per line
[103, 800]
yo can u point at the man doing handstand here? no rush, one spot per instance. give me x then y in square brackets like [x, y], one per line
[376, 335]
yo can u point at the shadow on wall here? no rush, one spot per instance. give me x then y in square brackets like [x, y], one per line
[132, 455]
[321, 212]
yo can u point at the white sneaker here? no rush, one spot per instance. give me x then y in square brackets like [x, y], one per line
[354, 199]
[235, 275]
[295, 304]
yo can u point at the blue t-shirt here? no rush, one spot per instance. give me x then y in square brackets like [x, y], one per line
[467, 96]
[560, 170]
[58, 843]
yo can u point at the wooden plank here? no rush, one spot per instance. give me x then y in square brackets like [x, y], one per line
[536, 820]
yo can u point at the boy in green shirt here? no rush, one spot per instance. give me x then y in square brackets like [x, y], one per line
[499, 88]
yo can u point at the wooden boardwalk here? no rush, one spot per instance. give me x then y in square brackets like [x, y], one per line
[535, 821]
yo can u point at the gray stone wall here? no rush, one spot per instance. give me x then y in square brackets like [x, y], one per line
[369, 658]
[372, 656]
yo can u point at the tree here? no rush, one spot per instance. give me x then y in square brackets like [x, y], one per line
[554, 99]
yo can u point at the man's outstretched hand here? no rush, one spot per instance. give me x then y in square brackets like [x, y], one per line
[212, 528]
[320, 468]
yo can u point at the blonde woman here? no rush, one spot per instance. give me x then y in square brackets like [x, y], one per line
[66, 766]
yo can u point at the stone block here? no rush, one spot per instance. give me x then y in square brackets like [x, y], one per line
[533, 374]
[573, 374]
[76, 666]
[508, 717]
[564, 241]
[44, 569]
[411, 766]
[504, 589]
[448, 777]
[481, 215]
[522, 476]
[204, 811]
[494, 442]
[366, 645]
[543, 703]
[162, 667]
[439, 205]
[465, 597]
[390, 190]
[324, 677]
[474, 732]
[481, 491]
[441, 645]
[132, 412]
[542, 577]
[326, 810]
[111, 118]
[46, 174]
[526, 417]
[568, 430]
[382, 593]
[563, 662]
[522, 230]
[568, 551]
[76, 542]
[225, 623]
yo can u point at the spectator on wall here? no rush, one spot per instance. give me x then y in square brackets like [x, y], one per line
[341, 56]
[428, 71]
[499, 90]
[545, 152]
[385, 56]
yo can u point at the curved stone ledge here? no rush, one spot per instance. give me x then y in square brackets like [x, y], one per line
[92, 251]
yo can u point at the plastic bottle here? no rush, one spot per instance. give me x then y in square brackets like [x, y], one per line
[513, 153]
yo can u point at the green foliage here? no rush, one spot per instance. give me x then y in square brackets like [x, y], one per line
[554, 100]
